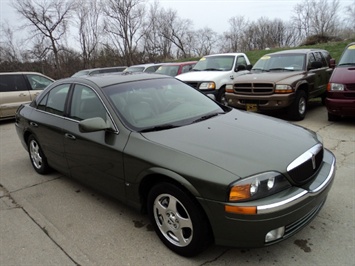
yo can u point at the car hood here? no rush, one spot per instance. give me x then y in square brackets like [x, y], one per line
[343, 75]
[239, 142]
[272, 77]
[201, 75]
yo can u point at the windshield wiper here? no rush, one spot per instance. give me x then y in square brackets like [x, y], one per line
[347, 64]
[260, 69]
[205, 117]
[212, 69]
[158, 128]
[280, 68]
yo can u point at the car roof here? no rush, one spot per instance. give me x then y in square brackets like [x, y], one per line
[110, 79]
[234, 54]
[298, 51]
[179, 63]
[21, 72]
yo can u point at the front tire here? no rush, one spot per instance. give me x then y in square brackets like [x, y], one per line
[37, 157]
[178, 220]
[297, 110]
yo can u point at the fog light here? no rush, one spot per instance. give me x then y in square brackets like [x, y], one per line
[275, 234]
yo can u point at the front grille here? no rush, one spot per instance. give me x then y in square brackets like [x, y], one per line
[350, 87]
[192, 84]
[299, 224]
[305, 166]
[254, 88]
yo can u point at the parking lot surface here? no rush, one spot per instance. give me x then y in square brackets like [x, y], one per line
[53, 220]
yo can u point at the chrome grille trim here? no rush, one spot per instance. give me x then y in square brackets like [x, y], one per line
[306, 165]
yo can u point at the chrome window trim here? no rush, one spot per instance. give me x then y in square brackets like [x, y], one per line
[115, 129]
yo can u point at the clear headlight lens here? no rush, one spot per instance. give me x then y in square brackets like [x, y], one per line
[335, 87]
[283, 89]
[207, 86]
[258, 186]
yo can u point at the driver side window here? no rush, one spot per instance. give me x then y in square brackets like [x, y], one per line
[86, 104]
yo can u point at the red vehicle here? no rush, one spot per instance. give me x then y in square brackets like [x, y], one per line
[174, 69]
[340, 99]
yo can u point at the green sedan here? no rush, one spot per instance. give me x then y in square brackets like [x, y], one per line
[204, 172]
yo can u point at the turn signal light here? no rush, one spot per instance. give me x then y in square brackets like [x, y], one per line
[240, 192]
[240, 209]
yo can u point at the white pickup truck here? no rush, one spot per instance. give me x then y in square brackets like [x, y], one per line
[212, 72]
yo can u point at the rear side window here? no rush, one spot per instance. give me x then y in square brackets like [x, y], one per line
[54, 101]
[12, 83]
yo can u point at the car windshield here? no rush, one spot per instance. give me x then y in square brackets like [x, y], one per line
[168, 70]
[280, 62]
[348, 57]
[81, 73]
[134, 69]
[158, 104]
[215, 63]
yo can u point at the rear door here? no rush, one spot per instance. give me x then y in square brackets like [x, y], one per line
[13, 92]
[46, 123]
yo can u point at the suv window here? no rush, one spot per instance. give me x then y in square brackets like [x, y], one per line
[12, 83]
[54, 101]
[38, 82]
[319, 57]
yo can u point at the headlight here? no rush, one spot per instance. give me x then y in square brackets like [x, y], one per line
[207, 86]
[257, 186]
[283, 89]
[335, 87]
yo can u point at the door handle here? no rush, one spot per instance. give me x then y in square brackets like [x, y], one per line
[33, 124]
[70, 136]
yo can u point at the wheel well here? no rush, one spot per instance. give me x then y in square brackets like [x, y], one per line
[303, 87]
[151, 180]
[26, 135]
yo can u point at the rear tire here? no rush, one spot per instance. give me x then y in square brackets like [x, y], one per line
[37, 157]
[178, 220]
[297, 110]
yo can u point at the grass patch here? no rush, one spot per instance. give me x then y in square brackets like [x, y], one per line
[334, 48]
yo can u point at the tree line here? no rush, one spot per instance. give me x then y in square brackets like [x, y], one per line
[64, 36]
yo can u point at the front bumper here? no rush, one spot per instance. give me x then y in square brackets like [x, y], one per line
[292, 209]
[341, 107]
[263, 102]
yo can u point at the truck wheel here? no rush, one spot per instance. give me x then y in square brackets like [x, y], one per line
[297, 110]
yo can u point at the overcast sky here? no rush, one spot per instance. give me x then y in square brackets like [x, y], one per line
[207, 13]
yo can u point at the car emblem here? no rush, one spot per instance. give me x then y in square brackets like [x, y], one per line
[314, 162]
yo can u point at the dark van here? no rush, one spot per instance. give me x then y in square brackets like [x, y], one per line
[340, 99]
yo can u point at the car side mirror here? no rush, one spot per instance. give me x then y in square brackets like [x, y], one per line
[241, 67]
[93, 125]
[332, 63]
[249, 67]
